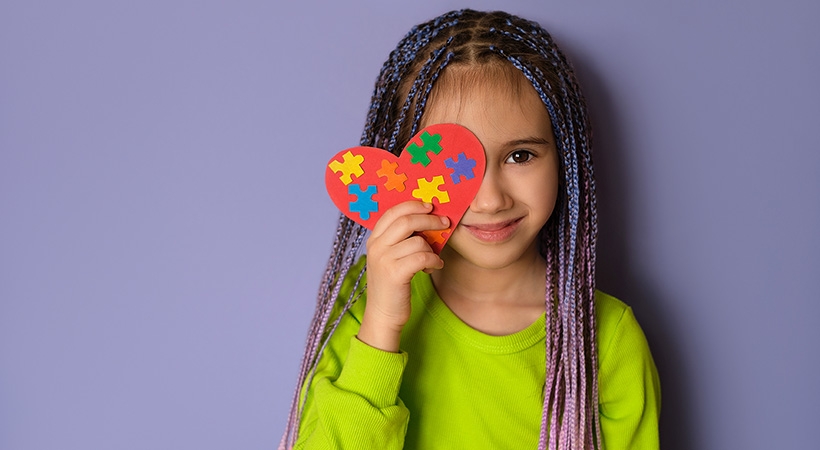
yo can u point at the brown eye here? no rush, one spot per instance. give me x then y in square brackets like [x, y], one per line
[519, 157]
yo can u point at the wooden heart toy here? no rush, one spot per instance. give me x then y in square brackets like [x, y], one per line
[443, 164]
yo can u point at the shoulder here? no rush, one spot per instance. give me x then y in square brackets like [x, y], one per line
[353, 289]
[623, 351]
[338, 342]
[629, 388]
[608, 307]
[624, 358]
[614, 322]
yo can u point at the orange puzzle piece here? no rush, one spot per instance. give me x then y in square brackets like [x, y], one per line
[395, 181]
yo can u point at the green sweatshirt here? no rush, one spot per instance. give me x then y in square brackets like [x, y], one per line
[454, 387]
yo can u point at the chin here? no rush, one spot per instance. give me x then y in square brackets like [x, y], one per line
[489, 257]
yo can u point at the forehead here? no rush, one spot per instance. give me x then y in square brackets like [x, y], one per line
[498, 82]
[493, 94]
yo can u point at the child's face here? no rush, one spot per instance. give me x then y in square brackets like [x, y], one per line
[520, 184]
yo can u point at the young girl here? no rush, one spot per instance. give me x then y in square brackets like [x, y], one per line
[501, 341]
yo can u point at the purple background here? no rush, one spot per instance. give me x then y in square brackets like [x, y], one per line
[164, 224]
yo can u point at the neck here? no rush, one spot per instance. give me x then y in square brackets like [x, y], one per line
[520, 283]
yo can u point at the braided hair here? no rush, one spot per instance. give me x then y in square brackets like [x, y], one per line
[474, 39]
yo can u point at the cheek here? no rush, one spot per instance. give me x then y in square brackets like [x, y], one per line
[541, 188]
[553, 186]
[543, 195]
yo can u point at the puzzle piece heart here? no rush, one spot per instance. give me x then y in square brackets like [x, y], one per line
[443, 164]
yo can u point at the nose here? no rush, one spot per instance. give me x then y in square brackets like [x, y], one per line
[492, 196]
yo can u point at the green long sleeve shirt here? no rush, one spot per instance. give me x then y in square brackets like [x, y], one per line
[452, 386]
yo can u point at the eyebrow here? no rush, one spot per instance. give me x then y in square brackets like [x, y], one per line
[529, 140]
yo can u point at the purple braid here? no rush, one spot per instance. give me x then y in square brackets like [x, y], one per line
[570, 418]
[347, 245]
[349, 239]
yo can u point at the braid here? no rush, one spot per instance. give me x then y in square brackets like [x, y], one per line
[424, 78]
[346, 246]
[349, 235]
[392, 73]
[570, 417]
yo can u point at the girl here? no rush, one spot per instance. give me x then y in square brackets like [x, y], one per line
[410, 349]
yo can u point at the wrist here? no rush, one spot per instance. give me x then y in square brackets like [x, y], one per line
[380, 334]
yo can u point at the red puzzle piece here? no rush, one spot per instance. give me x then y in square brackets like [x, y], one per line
[425, 173]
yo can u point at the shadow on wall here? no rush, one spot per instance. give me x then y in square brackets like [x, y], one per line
[616, 245]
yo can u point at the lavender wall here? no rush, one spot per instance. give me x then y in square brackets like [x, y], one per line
[163, 222]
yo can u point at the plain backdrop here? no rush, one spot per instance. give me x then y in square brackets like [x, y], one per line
[164, 223]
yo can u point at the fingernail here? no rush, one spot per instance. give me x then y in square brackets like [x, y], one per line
[428, 205]
[445, 221]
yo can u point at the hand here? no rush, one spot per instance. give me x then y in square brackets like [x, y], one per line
[394, 255]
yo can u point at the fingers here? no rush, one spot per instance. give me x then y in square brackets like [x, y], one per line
[395, 241]
[399, 261]
[405, 219]
[395, 253]
[414, 254]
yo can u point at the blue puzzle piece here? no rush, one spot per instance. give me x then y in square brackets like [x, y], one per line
[462, 167]
[364, 204]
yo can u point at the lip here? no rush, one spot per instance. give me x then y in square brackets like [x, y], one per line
[493, 232]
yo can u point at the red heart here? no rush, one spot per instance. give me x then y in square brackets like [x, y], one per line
[443, 164]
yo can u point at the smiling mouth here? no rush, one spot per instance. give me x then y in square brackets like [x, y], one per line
[493, 232]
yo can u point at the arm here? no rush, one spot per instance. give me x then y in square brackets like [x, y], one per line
[629, 393]
[352, 402]
[395, 255]
[355, 409]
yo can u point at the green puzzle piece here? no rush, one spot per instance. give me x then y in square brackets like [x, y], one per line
[430, 144]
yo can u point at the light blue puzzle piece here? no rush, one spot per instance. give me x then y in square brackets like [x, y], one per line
[364, 204]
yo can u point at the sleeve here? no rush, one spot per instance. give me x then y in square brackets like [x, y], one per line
[629, 392]
[353, 400]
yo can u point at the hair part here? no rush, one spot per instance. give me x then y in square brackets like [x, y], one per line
[434, 59]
